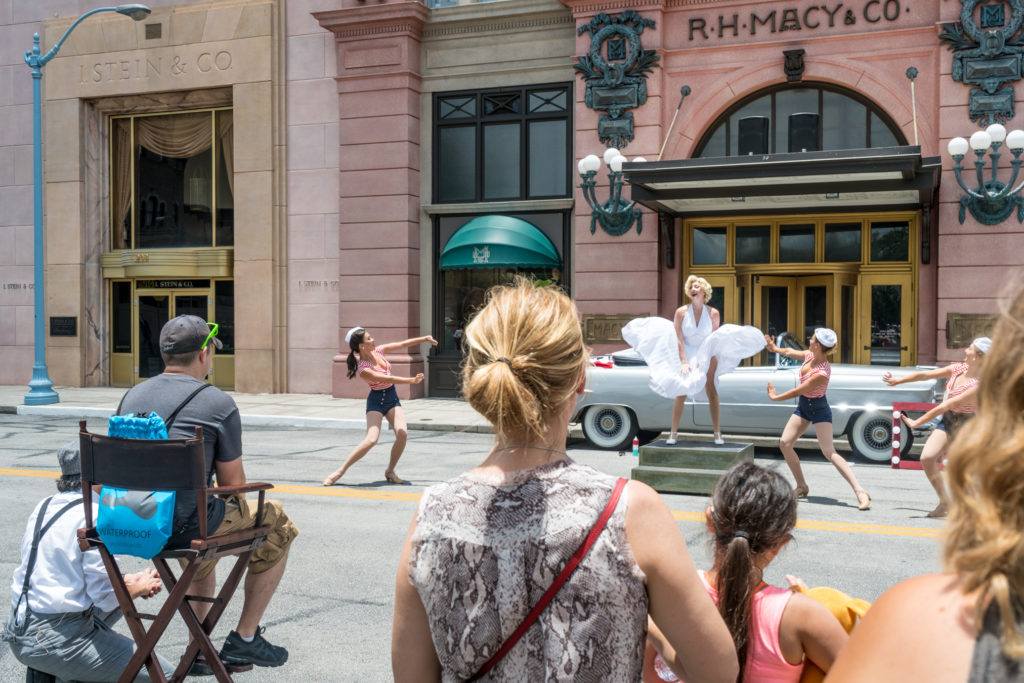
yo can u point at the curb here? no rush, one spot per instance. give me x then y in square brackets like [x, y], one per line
[252, 420]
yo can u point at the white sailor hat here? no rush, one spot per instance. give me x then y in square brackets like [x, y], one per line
[826, 337]
[983, 344]
[354, 330]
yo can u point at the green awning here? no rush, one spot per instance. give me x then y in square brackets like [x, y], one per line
[499, 242]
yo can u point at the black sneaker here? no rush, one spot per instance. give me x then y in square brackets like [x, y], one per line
[258, 652]
[200, 668]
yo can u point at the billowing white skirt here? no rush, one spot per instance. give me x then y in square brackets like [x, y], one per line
[655, 339]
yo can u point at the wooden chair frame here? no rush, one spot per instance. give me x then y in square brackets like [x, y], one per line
[168, 465]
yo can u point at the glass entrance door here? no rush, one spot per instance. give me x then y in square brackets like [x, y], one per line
[155, 308]
[800, 305]
[886, 311]
[773, 312]
[153, 313]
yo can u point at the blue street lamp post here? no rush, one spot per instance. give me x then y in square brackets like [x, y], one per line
[40, 386]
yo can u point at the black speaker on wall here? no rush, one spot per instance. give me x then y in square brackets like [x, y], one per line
[803, 132]
[753, 135]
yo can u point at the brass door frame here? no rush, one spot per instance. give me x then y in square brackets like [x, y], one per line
[908, 306]
[172, 293]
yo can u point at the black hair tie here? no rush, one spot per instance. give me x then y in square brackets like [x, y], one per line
[742, 534]
[502, 359]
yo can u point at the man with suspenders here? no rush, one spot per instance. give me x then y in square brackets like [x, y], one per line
[62, 602]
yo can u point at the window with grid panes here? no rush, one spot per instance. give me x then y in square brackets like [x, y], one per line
[503, 144]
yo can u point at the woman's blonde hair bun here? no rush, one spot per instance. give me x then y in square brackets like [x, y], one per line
[525, 357]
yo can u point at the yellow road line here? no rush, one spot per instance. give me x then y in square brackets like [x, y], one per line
[847, 527]
[681, 515]
[48, 474]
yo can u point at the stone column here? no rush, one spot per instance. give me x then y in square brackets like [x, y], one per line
[379, 88]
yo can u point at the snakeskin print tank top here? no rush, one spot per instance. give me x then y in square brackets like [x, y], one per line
[483, 553]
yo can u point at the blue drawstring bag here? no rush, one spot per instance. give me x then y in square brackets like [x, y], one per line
[137, 522]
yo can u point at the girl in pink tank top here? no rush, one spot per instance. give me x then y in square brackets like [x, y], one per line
[775, 630]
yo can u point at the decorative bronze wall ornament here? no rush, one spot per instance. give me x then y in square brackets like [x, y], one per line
[616, 82]
[987, 55]
[793, 65]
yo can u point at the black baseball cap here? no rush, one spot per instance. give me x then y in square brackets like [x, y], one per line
[185, 334]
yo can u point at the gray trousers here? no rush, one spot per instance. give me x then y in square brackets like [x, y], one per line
[77, 646]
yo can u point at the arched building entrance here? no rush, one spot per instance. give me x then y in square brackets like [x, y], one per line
[804, 207]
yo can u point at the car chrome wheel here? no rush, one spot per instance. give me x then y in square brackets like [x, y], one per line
[609, 427]
[870, 436]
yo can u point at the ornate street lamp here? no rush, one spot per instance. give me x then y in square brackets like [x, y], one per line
[992, 201]
[616, 215]
[40, 387]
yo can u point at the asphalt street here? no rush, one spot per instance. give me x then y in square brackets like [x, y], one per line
[333, 608]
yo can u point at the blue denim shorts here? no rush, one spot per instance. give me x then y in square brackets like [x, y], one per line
[814, 409]
[382, 400]
[951, 422]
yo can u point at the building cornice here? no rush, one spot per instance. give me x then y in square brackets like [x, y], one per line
[352, 23]
[506, 25]
[588, 7]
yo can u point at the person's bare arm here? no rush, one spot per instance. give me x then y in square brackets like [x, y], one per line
[968, 397]
[677, 322]
[930, 607]
[373, 376]
[413, 657]
[811, 384]
[769, 345]
[701, 647]
[814, 627]
[716, 318]
[230, 473]
[934, 373]
[397, 346]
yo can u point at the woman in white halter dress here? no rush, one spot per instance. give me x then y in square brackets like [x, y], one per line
[687, 356]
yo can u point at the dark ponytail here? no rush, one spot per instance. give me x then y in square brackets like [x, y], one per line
[753, 511]
[353, 343]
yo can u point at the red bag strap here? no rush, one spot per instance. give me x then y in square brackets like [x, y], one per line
[566, 572]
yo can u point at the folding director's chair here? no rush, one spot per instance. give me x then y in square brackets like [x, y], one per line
[167, 465]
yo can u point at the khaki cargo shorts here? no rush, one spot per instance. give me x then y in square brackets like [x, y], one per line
[240, 513]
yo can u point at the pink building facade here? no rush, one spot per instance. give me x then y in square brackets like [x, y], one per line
[392, 160]
[867, 242]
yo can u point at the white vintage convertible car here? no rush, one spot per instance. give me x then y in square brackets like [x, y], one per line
[618, 404]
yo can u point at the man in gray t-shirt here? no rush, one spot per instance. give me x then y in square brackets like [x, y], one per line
[187, 345]
[211, 409]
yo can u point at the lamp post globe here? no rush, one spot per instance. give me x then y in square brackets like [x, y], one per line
[40, 386]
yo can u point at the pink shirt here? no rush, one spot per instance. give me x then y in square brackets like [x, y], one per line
[765, 663]
[823, 368]
[378, 363]
[953, 392]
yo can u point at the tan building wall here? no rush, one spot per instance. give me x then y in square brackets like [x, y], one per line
[209, 53]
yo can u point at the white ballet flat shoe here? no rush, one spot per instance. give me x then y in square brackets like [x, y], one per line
[719, 441]
[670, 442]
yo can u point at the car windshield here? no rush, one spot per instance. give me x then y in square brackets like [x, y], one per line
[788, 340]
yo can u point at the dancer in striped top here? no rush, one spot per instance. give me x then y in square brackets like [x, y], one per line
[958, 405]
[812, 408]
[374, 369]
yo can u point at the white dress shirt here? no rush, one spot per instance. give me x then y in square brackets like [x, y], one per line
[64, 579]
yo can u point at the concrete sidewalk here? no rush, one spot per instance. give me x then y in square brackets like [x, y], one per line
[321, 411]
[267, 410]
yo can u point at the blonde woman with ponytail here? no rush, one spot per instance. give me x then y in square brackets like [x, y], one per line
[483, 548]
[966, 624]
